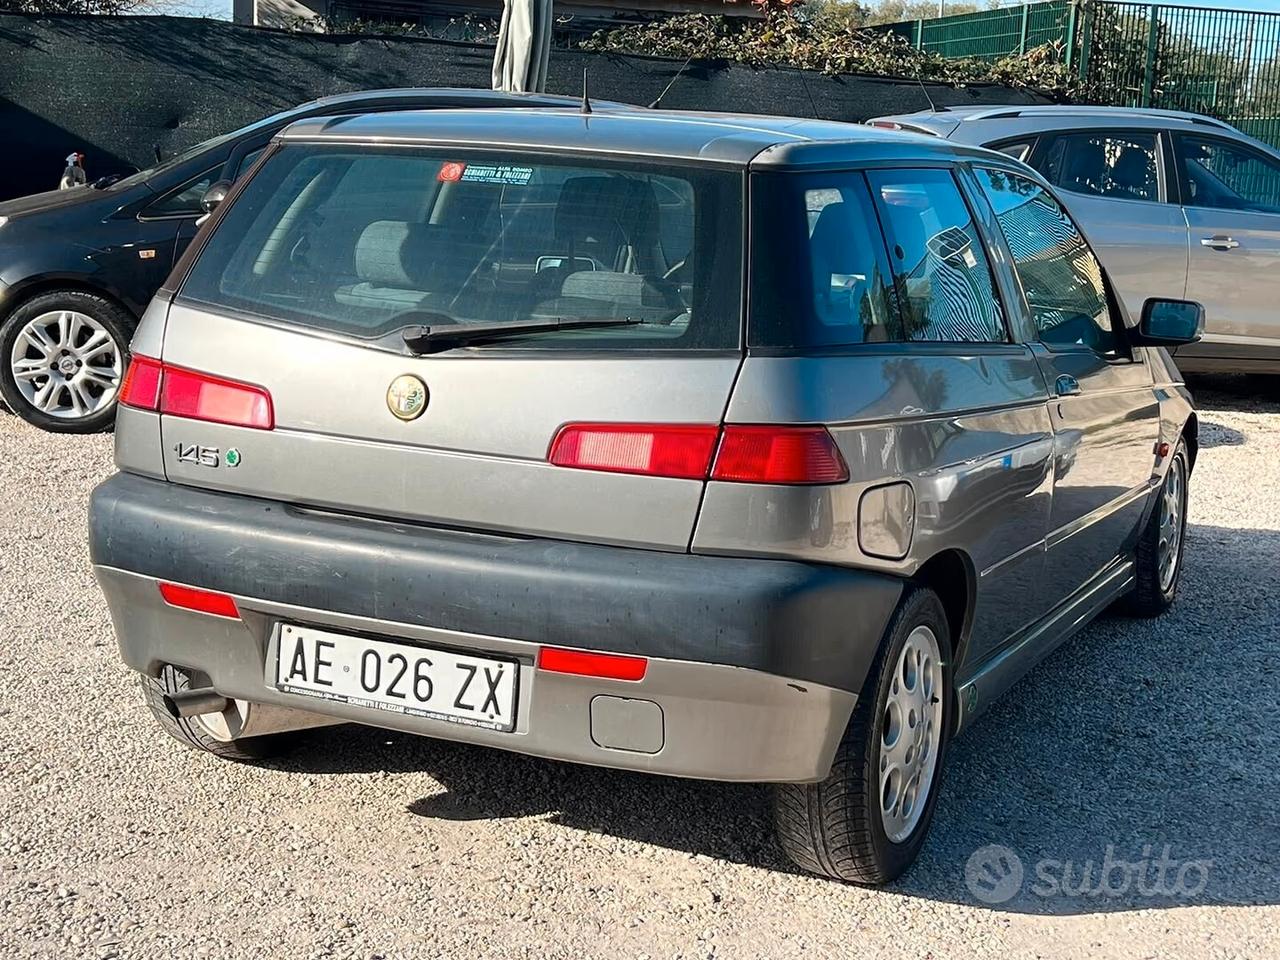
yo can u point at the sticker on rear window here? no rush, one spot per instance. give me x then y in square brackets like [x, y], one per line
[497, 173]
[451, 172]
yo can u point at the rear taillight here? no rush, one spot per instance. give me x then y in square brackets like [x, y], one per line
[201, 601]
[781, 455]
[141, 386]
[152, 385]
[656, 450]
[187, 393]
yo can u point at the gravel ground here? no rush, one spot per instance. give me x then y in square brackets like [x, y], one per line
[115, 842]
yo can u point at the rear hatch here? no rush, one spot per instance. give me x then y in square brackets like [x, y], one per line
[325, 348]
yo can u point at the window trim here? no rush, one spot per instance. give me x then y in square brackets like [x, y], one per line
[1184, 187]
[954, 171]
[1115, 312]
[1045, 139]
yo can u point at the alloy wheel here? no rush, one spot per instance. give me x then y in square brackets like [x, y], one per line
[1173, 506]
[66, 364]
[911, 729]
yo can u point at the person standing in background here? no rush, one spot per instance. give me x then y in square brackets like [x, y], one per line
[73, 175]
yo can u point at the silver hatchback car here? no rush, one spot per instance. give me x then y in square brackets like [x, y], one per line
[1176, 204]
[724, 447]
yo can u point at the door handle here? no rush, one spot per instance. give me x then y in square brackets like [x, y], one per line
[1067, 386]
[1219, 243]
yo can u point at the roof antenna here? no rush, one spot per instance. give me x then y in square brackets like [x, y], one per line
[671, 83]
[933, 107]
[586, 99]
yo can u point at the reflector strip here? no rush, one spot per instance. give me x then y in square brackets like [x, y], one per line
[201, 601]
[583, 663]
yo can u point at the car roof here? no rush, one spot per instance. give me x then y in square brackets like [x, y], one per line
[735, 139]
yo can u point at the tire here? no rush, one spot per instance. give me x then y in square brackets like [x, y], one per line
[836, 827]
[93, 342]
[1154, 591]
[191, 731]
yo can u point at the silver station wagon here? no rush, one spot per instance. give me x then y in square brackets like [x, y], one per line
[738, 448]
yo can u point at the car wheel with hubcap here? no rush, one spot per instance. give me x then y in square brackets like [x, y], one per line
[62, 358]
[1158, 559]
[867, 821]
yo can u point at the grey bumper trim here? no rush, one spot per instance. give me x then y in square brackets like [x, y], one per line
[803, 621]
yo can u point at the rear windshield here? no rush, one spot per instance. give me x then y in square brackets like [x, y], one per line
[363, 242]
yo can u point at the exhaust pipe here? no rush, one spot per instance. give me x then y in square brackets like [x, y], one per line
[193, 703]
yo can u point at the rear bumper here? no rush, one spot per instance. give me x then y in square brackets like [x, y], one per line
[753, 664]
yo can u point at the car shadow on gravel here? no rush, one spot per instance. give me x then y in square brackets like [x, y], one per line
[1233, 392]
[1137, 740]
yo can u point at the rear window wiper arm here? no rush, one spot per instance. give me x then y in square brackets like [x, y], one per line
[434, 339]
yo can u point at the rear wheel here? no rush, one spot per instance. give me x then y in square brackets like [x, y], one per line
[1159, 554]
[867, 821]
[208, 733]
[62, 357]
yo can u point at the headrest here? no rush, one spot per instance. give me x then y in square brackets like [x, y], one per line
[1132, 168]
[625, 289]
[610, 209]
[389, 253]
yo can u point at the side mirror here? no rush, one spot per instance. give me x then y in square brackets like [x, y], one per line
[1169, 323]
[216, 193]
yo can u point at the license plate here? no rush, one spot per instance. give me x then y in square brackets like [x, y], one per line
[398, 677]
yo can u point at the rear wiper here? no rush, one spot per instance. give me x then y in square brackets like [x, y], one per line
[421, 339]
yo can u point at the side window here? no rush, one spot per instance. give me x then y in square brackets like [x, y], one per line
[183, 200]
[819, 269]
[1119, 165]
[1227, 176]
[248, 160]
[1060, 276]
[940, 269]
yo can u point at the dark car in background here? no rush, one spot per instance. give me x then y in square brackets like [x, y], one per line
[78, 267]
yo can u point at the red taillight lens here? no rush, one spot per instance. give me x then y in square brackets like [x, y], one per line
[202, 601]
[152, 385]
[141, 386]
[659, 450]
[187, 393]
[781, 455]
[582, 663]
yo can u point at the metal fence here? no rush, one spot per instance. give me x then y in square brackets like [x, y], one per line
[992, 34]
[1225, 63]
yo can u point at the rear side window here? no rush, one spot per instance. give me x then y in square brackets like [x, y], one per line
[940, 267]
[365, 242]
[1118, 165]
[1060, 276]
[822, 275]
